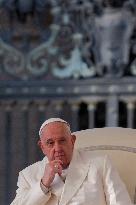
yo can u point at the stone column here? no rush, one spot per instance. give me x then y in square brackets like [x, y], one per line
[58, 109]
[50, 110]
[91, 114]
[130, 114]
[74, 108]
[3, 155]
[42, 116]
[66, 112]
[18, 143]
[112, 111]
[8, 157]
[33, 136]
[42, 108]
[24, 108]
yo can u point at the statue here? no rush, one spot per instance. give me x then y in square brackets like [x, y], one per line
[112, 33]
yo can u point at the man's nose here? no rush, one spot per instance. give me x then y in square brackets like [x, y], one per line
[57, 146]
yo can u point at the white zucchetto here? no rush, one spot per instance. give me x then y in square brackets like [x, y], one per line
[50, 120]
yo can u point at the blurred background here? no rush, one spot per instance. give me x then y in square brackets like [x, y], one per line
[58, 58]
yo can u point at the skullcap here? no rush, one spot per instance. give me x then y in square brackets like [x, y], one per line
[50, 120]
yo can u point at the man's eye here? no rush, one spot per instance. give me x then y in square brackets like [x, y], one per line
[49, 143]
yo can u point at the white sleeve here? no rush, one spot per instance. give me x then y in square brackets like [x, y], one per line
[115, 190]
[27, 194]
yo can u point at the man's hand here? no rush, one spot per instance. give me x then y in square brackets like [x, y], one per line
[51, 169]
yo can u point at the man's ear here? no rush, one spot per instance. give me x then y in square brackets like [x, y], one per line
[39, 143]
[73, 137]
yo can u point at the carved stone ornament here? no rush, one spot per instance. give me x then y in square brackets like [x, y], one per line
[67, 39]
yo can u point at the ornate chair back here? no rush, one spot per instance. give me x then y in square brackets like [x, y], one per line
[119, 144]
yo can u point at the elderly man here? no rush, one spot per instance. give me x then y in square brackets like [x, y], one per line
[67, 176]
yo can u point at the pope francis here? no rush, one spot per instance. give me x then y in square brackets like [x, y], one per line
[67, 176]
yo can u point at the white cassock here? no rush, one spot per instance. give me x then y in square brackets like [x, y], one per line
[91, 180]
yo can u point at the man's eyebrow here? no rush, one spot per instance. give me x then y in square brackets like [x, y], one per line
[49, 139]
[62, 137]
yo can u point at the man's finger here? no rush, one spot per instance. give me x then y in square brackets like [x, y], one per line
[58, 161]
[57, 167]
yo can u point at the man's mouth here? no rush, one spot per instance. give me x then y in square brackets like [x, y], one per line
[59, 156]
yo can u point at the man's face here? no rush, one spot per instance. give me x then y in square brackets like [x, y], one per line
[57, 143]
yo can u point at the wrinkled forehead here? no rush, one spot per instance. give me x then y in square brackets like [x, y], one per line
[55, 128]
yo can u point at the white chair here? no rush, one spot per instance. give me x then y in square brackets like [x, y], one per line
[119, 144]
